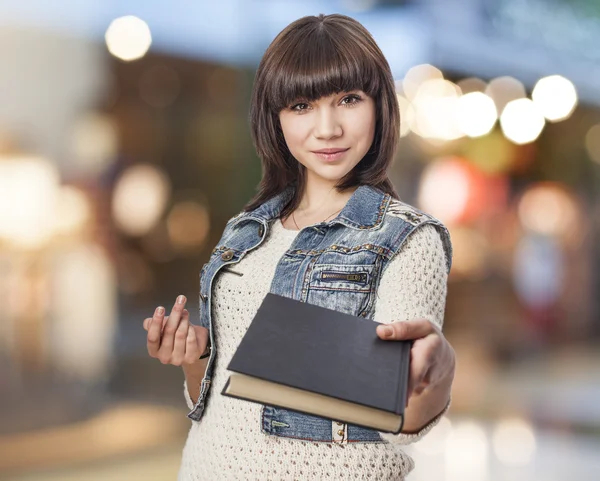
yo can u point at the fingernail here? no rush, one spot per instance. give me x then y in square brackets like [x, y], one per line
[160, 310]
[180, 299]
[388, 331]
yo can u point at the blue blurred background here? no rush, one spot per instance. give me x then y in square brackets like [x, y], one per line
[125, 147]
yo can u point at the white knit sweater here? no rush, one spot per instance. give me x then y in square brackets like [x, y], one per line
[227, 443]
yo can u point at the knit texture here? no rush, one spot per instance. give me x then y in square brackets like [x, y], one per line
[227, 443]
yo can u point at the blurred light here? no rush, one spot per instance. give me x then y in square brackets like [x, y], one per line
[398, 87]
[7, 142]
[435, 441]
[158, 244]
[188, 224]
[592, 143]
[444, 190]
[416, 76]
[94, 143]
[469, 253]
[467, 453]
[111, 430]
[435, 105]
[503, 90]
[556, 97]
[28, 192]
[407, 115]
[159, 86]
[84, 317]
[73, 210]
[437, 88]
[125, 427]
[128, 38]
[16, 297]
[493, 154]
[538, 273]
[548, 209]
[456, 191]
[471, 84]
[476, 114]
[471, 384]
[513, 441]
[521, 121]
[139, 199]
[134, 272]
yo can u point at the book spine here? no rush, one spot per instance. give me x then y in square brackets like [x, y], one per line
[402, 393]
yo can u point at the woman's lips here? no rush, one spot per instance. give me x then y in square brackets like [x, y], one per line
[331, 157]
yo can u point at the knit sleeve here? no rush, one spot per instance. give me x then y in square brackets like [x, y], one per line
[414, 285]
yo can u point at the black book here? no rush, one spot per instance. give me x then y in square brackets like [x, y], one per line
[318, 361]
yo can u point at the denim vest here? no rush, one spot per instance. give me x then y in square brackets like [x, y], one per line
[335, 264]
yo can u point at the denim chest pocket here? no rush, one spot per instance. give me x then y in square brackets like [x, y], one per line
[343, 287]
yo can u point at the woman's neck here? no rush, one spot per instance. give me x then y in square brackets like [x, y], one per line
[320, 198]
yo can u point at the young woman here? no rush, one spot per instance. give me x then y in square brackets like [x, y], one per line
[327, 228]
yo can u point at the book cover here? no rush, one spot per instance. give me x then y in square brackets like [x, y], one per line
[335, 356]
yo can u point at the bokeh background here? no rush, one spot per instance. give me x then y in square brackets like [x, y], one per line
[125, 147]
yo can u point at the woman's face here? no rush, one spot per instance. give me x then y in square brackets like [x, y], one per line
[343, 122]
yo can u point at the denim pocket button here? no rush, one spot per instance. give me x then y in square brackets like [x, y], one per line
[227, 255]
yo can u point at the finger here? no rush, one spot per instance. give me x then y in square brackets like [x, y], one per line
[164, 322]
[148, 320]
[178, 354]
[419, 389]
[192, 352]
[153, 340]
[171, 326]
[425, 381]
[406, 330]
[415, 392]
[184, 315]
[420, 365]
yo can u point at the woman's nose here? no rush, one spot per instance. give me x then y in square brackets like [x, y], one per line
[327, 125]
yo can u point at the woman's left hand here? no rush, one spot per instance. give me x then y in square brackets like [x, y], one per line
[432, 357]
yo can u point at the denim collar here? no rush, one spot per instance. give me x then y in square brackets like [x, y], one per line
[364, 210]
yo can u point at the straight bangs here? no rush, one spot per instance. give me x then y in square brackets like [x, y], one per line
[321, 67]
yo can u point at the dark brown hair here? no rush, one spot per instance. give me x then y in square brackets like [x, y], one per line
[311, 58]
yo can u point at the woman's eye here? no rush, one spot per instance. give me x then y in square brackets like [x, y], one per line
[352, 99]
[295, 107]
[348, 101]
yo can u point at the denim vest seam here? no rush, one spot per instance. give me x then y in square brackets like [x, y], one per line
[334, 247]
[366, 312]
[307, 276]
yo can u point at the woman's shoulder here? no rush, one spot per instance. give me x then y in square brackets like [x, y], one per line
[428, 233]
[236, 217]
[409, 213]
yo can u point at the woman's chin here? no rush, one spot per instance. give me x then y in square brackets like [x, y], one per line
[331, 173]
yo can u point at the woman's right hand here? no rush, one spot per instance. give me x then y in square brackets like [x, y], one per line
[173, 339]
